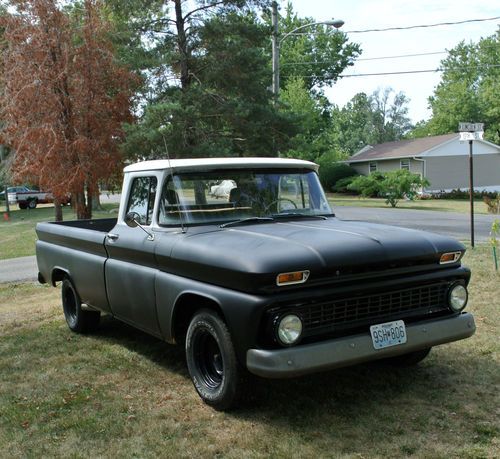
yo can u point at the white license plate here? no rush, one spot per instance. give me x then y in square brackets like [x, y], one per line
[388, 334]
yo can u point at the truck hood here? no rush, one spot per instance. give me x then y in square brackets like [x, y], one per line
[249, 257]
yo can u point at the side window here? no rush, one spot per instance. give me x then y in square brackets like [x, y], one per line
[142, 198]
[373, 167]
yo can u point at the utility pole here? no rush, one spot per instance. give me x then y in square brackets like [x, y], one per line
[276, 52]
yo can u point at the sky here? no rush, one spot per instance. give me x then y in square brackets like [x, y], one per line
[366, 14]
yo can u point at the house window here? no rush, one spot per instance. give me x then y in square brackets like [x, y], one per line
[373, 167]
[405, 164]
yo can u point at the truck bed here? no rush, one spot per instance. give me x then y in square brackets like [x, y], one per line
[100, 224]
[75, 248]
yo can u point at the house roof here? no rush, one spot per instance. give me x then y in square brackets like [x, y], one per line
[401, 149]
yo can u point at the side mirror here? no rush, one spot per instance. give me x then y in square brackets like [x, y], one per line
[132, 219]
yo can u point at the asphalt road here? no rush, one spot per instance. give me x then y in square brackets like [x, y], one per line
[448, 223]
[452, 224]
[21, 269]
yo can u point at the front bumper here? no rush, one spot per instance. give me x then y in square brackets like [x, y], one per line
[350, 350]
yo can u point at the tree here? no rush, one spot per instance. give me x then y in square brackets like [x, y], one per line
[312, 114]
[468, 91]
[369, 120]
[64, 100]
[393, 186]
[217, 100]
[316, 54]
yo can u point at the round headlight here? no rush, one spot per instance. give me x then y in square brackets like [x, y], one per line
[289, 329]
[457, 297]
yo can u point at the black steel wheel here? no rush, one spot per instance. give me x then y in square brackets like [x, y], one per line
[212, 361]
[78, 320]
[23, 205]
[412, 358]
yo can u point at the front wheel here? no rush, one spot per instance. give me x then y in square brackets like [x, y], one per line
[32, 203]
[78, 320]
[212, 361]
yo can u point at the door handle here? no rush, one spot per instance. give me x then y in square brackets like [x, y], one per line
[112, 236]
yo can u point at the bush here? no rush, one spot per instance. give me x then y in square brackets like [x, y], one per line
[341, 186]
[369, 186]
[493, 204]
[393, 186]
[464, 194]
[331, 172]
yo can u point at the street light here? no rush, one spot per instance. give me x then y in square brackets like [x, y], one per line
[337, 23]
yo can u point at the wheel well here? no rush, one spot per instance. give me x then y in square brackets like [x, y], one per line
[185, 308]
[58, 275]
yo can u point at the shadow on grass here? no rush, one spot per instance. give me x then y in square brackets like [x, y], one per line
[442, 381]
[169, 357]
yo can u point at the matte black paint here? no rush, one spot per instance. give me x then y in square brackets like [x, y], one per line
[141, 281]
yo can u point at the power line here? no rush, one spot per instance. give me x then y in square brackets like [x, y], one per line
[366, 58]
[421, 26]
[398, 56]
[405, 72]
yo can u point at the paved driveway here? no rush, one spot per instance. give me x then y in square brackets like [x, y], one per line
[448, 223]
[21, 269]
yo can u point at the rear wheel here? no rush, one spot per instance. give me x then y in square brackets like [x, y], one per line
[32, 203]
[78, 320]
[412, 358]
[211, 360]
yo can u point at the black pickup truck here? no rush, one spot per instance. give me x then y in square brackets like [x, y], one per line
[261, 278]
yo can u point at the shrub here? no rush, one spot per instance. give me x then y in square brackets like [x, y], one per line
[493, 204]
[331, 172]
[368, 185]
[393, 186]
[464, 194]
[341, 186]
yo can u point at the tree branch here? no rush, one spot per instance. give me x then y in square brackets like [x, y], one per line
[201, 8]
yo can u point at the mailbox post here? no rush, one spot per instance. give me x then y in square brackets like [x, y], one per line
[471, 132]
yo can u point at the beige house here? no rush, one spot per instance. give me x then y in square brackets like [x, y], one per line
[442, 159]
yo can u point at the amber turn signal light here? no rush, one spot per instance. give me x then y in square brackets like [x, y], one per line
[450, 257]
[296, 277]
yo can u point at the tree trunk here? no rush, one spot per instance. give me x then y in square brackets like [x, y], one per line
[58, 210]
[182, 45]
[96, 201]
[82, 212]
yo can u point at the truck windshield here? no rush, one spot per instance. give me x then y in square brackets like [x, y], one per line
[231, 195]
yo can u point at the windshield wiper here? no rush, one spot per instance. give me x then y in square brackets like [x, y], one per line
[299, 215]
[244, 221]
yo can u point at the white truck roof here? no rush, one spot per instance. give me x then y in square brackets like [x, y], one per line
[202, 164]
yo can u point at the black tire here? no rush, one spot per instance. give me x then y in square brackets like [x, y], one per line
[23, 205]
[78, 320]
[212, 361]
[410, 359]
[32, 204]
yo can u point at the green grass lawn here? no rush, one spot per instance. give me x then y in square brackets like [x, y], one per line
[121, 393]
[17, 236]
[443, 205]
